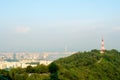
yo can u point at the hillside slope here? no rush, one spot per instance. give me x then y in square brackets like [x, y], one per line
[90, 66]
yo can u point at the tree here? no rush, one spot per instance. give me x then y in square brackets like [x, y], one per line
[29, 69]
[53, 68]
[12, 74]
[41, 69]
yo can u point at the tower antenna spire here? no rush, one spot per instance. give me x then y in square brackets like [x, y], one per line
[65, 48]
[102, 47]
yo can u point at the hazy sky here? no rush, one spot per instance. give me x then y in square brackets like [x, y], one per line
[50, 25]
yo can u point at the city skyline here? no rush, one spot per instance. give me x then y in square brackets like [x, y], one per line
[45, 26]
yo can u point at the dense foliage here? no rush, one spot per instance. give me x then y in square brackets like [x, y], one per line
[91, 65]
[40, 72]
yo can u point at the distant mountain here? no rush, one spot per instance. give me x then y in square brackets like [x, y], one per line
[90, 65]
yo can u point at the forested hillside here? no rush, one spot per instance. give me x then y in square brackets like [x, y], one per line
[91, 65]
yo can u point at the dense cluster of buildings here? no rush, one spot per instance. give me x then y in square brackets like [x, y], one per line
[22, 64]
[24, 59]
